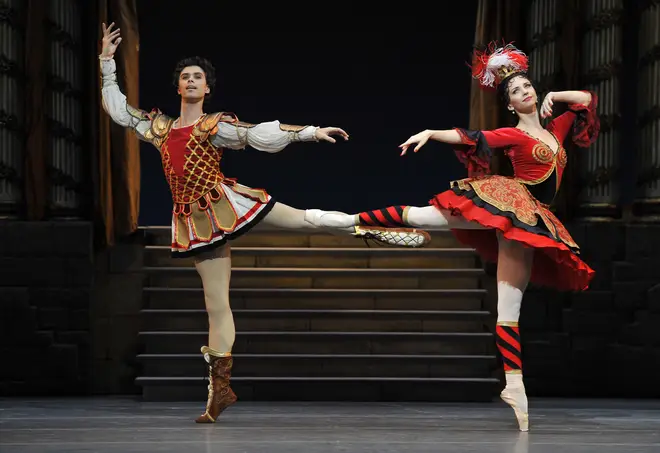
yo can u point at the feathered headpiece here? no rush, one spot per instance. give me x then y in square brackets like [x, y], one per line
[495, 64]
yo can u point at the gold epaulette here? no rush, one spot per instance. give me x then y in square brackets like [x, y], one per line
[160, 127]
[209, 124]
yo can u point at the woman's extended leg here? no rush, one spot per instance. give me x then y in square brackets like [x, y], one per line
[514, 266]
[427, 217]
[286, 217]
[214, 268]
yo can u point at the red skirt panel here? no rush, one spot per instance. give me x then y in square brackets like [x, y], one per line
[504, 204]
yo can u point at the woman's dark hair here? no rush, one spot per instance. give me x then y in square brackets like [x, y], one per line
[504, 99]
[207, 67]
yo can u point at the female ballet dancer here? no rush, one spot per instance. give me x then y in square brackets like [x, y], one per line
[211, 209]
[506, 219]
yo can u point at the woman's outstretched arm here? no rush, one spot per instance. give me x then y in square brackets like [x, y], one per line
[498, 138]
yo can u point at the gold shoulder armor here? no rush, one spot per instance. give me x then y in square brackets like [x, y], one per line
[160, 127]
[209, 124]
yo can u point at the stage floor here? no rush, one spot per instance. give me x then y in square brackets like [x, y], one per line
[124, 425]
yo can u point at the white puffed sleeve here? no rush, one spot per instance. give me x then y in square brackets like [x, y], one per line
[115, 105]
[270, 137]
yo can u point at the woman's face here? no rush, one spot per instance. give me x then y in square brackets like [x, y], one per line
[192, 83]
[522, 95]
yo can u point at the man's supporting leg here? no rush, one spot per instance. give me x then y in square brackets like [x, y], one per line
[214, 268]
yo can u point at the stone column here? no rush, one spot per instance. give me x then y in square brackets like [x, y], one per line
[65, 112]
[601, 67]
[647, 200]
[543, 51]
[12, 136]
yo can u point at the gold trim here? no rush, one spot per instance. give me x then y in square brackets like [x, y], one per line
[507, 323]
[513, 372]
[214, 352]
[404, 215]
[291, 128]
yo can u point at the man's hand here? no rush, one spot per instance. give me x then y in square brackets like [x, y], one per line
[325, 133]
[110, 41]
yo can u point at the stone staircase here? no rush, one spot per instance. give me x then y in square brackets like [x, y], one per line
[323, 317]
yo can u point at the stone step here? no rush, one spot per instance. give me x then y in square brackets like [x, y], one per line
[263, 237]
[322, 320]
[291, 342]
[325, 298]
[279, 277]
[344, 257]
[324, 365]
[296, 388]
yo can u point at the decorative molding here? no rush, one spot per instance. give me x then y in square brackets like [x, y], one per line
[58, 34]
[650, 57]
[546, 36]
[59, 85]
[605, 19]
[9, 174]
[609, 122]
[11, 123]
[603, 72]
[646, 4]
[60, 179]
[599, 177]
[11, 16]
[11, 68]
[60, 130]
[649, 116]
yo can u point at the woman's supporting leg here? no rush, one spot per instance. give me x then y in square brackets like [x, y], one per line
[427, 217]
[214, 268]
[513, 272]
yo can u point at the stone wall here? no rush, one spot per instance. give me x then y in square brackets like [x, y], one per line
[604, 342]
[68, 315]
[46, 275]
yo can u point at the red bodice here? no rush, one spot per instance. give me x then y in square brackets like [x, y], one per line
[533, 160]
[191, 164]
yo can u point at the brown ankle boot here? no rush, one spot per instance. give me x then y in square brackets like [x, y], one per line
[221, 396]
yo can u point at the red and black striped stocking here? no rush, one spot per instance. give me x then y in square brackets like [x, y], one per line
[508, 342]
[391, 217]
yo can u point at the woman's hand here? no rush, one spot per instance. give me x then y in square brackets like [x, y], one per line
[420, 139]
[325, 133]
[546, 107]
[110, 41]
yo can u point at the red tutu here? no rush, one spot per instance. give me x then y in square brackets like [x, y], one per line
[504, 204]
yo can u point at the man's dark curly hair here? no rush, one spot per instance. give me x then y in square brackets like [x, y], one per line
[207, 67]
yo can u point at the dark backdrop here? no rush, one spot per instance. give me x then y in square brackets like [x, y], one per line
[382, 79]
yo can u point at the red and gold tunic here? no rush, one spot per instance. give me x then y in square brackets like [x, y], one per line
[210, 208]
[518, 206]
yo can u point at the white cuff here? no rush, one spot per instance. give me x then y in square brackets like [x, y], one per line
[308, 134]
